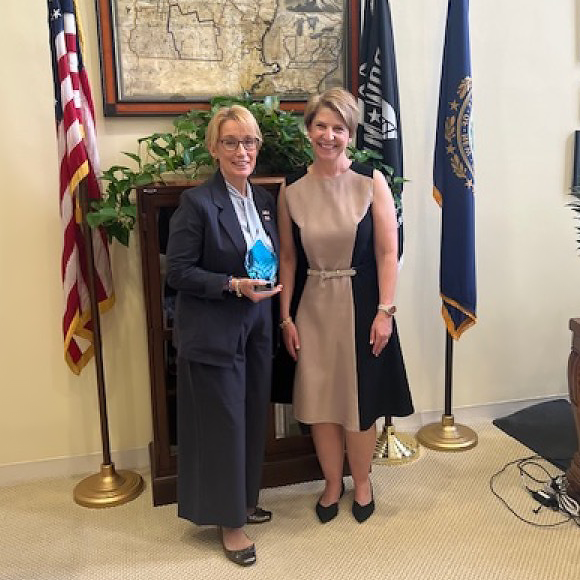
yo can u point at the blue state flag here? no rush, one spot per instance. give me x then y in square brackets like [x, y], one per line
[453, 175]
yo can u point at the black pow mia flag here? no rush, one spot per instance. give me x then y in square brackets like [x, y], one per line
[379, 126]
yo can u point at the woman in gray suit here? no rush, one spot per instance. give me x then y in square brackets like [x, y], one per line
[223, 335]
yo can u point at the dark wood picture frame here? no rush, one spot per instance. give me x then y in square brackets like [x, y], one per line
[114, 106]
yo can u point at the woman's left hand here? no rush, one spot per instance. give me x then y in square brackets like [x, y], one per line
[381, 331]
[248, 287]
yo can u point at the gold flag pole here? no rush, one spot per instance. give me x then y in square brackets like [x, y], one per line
[109, 487]
[447, 435]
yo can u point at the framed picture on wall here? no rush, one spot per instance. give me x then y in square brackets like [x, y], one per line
[169, 56]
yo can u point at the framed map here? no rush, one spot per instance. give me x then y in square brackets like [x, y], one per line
[169, 56]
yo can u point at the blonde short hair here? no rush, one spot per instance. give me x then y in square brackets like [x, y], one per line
[338, 100]
[232, 113]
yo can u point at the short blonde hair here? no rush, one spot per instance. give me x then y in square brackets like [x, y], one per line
[232, 113]
[338, 100]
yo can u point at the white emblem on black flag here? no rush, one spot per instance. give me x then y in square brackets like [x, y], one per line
[379, 126]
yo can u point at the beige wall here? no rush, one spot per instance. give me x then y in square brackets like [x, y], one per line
[526, 79]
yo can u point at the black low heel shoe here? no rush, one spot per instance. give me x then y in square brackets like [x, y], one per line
[259, 516]
[243, 557]
[362, 513]
[327, 513]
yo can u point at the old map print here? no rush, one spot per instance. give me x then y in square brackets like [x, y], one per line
[195, 49]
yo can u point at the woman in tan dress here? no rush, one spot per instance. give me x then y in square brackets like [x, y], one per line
[338, 269]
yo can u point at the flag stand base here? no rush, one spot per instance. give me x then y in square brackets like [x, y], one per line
[395, 448]
[108, 488]
[447, 436]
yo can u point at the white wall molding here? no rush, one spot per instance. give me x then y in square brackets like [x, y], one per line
[470, 415]
[13, 473]
[79, 465]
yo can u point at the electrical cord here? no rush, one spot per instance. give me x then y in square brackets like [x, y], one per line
[523, 468]
[552, 494]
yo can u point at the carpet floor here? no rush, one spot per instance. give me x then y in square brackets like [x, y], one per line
[436, 519]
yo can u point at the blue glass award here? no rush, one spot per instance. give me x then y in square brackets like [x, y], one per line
[261, 262]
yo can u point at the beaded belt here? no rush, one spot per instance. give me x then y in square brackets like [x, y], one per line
[325, 274]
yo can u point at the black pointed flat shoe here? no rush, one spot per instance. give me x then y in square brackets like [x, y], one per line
[329, 512]
[259, 516]
[362, 513]
[243, 557]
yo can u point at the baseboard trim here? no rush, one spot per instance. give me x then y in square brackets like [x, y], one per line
[469, 415]
[15, 473]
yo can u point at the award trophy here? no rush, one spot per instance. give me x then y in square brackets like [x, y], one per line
[262, 263]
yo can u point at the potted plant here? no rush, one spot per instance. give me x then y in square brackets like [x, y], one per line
[181, 152]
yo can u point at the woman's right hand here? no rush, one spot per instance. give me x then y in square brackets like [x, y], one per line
[291, 340]
[247, 287]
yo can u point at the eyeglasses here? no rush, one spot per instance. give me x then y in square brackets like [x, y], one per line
[231, 143]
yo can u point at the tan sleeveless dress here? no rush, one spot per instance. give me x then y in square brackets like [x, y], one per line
[337, 379]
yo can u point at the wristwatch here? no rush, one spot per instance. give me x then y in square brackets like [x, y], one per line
[388, 309]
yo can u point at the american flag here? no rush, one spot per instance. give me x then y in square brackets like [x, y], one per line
[79, 160]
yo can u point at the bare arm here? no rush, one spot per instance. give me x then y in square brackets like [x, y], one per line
[385, 245]
[287, 273]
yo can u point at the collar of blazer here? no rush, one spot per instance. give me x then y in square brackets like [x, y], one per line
[229, 219]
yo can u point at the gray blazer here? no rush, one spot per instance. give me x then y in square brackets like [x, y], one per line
[205, 246]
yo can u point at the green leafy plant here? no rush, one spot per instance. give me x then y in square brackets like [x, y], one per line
[181, 152]
[575, 205]
[376, 161]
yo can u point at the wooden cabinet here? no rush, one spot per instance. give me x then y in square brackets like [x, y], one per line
[573, 472]
[290, 456]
